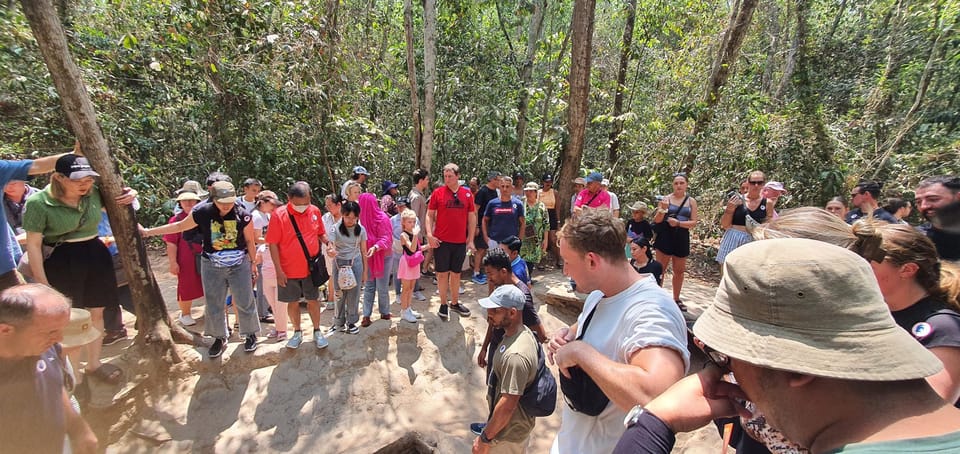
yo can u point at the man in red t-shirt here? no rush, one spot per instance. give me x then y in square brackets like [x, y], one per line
[451, 221]
[293, 274]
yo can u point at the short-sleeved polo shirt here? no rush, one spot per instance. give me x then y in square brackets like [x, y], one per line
[280, 232]
[57, 221]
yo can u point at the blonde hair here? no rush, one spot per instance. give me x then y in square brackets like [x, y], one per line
[57, 189]
[821, 225]
[410, 214]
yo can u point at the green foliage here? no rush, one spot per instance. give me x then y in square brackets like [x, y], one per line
[291, 90]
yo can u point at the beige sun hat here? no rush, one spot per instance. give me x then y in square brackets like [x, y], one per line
[639, 206]
[531, 186]
[80, 331]
[810, 307]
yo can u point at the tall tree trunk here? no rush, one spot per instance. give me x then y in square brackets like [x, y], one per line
[913, 116]
[799, 37]
[155, 338]
[880, 100]
[429, 80]
[526, 75]
[548, 95]
[331, 40]
[727, 55]
[579, 80]
[625, 52]
[774, 31]
[414, 86]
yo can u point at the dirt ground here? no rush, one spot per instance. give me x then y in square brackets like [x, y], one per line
[358, 395]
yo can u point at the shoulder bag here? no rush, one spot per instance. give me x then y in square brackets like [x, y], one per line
[581, 393]
[317, 265]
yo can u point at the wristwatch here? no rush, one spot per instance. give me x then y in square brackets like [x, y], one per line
[633, 416]
[483, 437]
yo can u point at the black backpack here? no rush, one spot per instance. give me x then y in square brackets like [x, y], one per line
[540, 398]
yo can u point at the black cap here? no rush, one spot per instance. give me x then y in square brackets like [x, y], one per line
[402, 200]
[518, 175]
[547, 177]
[75, 167]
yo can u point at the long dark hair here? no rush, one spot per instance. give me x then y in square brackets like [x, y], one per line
[347, 207]
[642, 241]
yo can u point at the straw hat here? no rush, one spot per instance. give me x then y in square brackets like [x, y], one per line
[80, 331]
[806, 306]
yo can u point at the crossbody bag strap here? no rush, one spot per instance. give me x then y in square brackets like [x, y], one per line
[303, 245]
[586, 322]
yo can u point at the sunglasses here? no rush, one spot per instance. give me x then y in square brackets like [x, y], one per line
[757, 183]
[680, 174]
[719, 359]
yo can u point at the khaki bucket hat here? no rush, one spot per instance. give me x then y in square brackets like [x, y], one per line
[80, 331]
[806, 306]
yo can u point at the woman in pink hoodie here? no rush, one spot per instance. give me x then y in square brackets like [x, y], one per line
[380, 241]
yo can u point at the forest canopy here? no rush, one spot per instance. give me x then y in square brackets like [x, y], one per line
[819, 95]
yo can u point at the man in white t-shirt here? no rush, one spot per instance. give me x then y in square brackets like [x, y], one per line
[614, 200]
[635, 343]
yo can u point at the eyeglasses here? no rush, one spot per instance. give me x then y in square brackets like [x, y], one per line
[719, 359]
[757, 183]
[680, 174]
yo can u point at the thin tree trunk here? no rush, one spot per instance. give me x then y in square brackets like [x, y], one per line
[579, 80]
[625, 52]
[911, 119]
[414, 86]
[836, 20]
[799, 36]
[727, 55]
[526, 74]
[880, 100]
[506, 34]
[548, 95]
[331, 39]
[155, 332]
[429, 80]
[773, 24]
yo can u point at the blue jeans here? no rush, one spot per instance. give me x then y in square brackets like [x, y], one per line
[346, 307]
[216, 281]
[381, 286]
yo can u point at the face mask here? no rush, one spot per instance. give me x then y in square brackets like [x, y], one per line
[300, 208]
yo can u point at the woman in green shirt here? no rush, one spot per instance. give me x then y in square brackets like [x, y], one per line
[64, 249]
[535, 228]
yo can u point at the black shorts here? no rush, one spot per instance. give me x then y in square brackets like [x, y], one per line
[84, 272]
[478, 240]
[673, 241]
[552, 215]
[448, 257]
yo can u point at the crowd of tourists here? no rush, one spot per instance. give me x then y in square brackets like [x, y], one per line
[832, 330]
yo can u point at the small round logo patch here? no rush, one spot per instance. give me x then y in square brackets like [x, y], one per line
[503, 348]
[921, 330]
[41, 365]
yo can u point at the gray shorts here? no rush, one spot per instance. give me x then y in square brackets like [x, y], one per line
[296, 289]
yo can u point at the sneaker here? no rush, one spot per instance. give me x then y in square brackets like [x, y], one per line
[112, 337]
[330, 305]
[477, 428]
[407, 316]
[434, 281]
[419, 296]
[386, 317]
[281, 336]
[479, 279]
[460, 309]
[444, 312]
[416, 314]
[333, 329]
[319, 339]
[296, 340]
[272, 334]
[250, 343]
[352, 329]
[216, 349]
[428, 273]
[365, 322]
[187, 320]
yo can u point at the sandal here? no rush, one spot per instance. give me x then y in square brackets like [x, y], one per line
[683, 307]
[107, 373]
